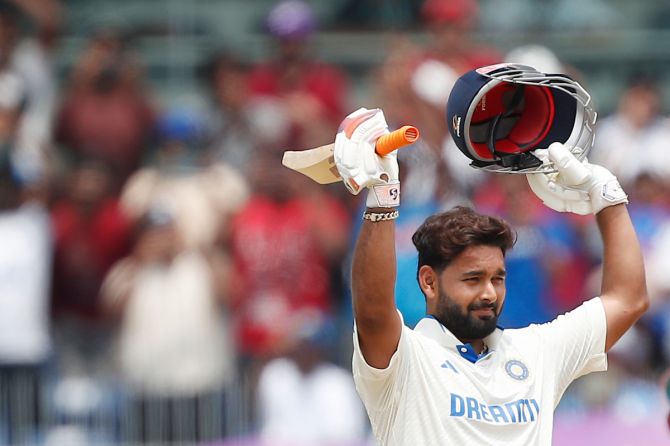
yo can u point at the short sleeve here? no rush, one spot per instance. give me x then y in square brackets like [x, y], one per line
[575, 342]
[377, 387]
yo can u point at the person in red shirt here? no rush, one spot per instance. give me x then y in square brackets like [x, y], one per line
[106, 112]
[91, 233]
[450, 24]
[285, 243]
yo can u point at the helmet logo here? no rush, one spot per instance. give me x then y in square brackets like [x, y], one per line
[456, 125]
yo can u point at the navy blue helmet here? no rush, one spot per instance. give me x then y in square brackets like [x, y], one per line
[499, 114]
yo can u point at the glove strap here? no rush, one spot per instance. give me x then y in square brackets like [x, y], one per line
[613, 193]
[385, 195]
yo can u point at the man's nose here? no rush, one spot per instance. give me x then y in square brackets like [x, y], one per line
[489, 294]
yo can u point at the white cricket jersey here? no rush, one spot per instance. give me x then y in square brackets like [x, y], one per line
[437, 391]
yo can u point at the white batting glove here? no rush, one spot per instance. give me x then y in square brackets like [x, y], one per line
[358, 164]
[577, 186]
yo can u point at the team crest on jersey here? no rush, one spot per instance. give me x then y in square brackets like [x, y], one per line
[516, 369]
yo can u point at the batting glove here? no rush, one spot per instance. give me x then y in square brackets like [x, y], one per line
[577, 186]
[358, 164]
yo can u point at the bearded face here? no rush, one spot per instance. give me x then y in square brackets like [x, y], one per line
[467, 296]
[476, 321]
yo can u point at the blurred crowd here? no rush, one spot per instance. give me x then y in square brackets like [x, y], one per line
[158, 264]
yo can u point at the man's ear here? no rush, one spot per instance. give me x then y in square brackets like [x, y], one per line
[428, 282]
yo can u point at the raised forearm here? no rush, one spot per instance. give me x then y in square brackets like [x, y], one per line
[374, 270]
[373, 285]
[374, 264]
[623, 267]
[623, 290]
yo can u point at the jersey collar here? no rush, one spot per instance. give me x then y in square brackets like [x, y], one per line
[433, 329]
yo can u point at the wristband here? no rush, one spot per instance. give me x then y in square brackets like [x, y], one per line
[380, 216]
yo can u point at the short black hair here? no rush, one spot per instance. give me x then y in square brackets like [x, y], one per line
[443, 236]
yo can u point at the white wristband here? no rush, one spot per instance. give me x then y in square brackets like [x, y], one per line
[385, 195]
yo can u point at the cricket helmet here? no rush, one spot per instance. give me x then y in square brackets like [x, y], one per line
[499, 114]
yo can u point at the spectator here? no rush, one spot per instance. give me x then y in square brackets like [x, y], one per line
[91, 234]
[28, 51]
[106, 112]
[313, 93]
[173, 349]
[650, 207]
[238, 125]
[633, 140]
[654, 222]
[316, 403]
[203, 198]
[285, 243]
[450, 23]
[25, 259]
[178, 269]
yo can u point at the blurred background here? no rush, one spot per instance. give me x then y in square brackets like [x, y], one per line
[164, 280]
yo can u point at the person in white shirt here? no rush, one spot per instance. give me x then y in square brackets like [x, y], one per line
[304, 399]
[457, 378]
[26, 347]
[633, 139]
[173, 348]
